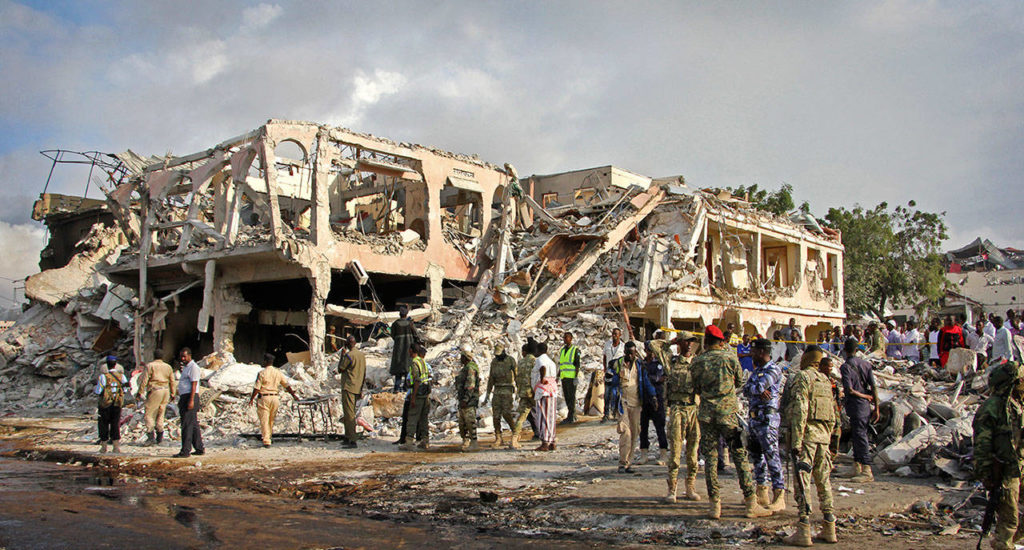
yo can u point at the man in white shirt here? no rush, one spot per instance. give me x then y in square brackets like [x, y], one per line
[188, 400]
[990, 328]
[1003, 342]
[912, 351]
[613, 349]
[894, 341]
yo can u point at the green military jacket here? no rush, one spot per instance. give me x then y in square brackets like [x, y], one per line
[503, 374]
[662, 352]
[716, 376]
[679, 385]
[810, 408]
[998, 425]
[467, 385]
[524, 372]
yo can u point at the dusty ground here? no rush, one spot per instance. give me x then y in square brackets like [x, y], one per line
[317, 495]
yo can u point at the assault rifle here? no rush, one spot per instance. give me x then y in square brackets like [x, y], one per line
[995, 494]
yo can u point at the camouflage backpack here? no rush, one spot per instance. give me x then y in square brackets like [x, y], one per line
[113, 392]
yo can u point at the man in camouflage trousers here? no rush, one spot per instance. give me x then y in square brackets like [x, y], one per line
[467, 388]
[810, 414]
[501, 383]
[682, 400]
[763, 390]
[998, 453]
[524, 387]
[717, 375]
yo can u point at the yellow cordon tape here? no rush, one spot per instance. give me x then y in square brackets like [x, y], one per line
[664, 329]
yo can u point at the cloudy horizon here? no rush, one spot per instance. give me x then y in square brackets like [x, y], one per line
[850, 103]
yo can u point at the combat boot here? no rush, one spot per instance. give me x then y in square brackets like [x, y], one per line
[465, 444]
[117, 446]
[778, 502]
[754, 510]
[159, 437]
[474, 445]
[150, 439]
[662, 457]
[828, 530]
[499, 440]
[854, 471]
[642, 459]
[866, 475]
[514, 444]
[103, 447]
[670, 498]
[802, 536]
[715, 509]
[691, 489]
[764, 495]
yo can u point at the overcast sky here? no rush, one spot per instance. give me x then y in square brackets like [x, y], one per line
[850, 103]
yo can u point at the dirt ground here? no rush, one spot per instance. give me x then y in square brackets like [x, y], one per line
[313, 494]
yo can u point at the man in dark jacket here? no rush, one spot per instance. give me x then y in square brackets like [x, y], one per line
[637, 390]
[352, 367]
[861, 404]
[654, 412]
[403, 333]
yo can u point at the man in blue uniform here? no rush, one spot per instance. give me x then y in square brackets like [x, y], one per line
[763, 390]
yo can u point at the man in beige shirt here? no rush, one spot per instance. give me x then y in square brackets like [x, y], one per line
[267, 383]
[352, 367]
[636, 390]
[157, 387]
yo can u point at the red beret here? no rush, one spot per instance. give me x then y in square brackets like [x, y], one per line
[714, 331]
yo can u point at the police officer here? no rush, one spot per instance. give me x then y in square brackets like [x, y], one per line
[524, 387]
[568, 370]
[763, 390]
[681, 398]
[419, 402]
[467, 389]
[157, 387]
[998, 454]
[268, 382]
[501, 383]
[811, 417]
[861, 401]
[717, 375]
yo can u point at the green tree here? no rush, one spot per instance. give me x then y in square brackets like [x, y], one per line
[892, 256]
[778, 202]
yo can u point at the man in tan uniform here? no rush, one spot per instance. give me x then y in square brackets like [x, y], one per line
[352, 367]
[267, 383]
[156, 386]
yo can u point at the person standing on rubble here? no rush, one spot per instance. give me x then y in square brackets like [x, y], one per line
[980, 342]
[894, 347]
[568, 371]
[1002, 344]
[419, 402]
[763, 391]
[745, 355]
[876, 342]
[156, 386]
[998, 452]
[811, 416]
[862, 407]
[501, 384]
[637, 392]
[188, 401]
[544, 378]
[951, 336]
[467, 391]
[267, 388]
[911, 342]
[681, 398]
[794, 339]
[524, 387]
[613, 350]
[717, 375]
[110, 387]
[933, 343]
[653, 411]
[352, 367]
[403, 334]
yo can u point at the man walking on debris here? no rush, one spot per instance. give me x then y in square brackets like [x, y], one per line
[156, 386]
[188, 401]
[681, 398]
[717, 375]
[861, 407]
[544, 378]
[762, 391]
[501, 384]
[637, 392]
[524, 387]
[568, 371]
[419, 403]
[352, 367]
[998, 452]
[467, 391]
[613, 350]
[268, 384]
[811, 416]
[654, 411]
[110, 387]
[403, 335]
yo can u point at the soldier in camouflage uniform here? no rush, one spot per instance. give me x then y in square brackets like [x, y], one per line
[762, 391]
[501, 383]
[810, 413]
[717, 375]
[682, 419]
[998, 452]
[524, 387]
[467, 388]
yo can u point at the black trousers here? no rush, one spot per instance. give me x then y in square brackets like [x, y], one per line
[110, 423]
[401, 383]
[191, 435]
[569, 391]
[860, 416]
[405, 420]
[648, 415]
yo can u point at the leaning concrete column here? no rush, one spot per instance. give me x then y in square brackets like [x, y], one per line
[320, 281]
